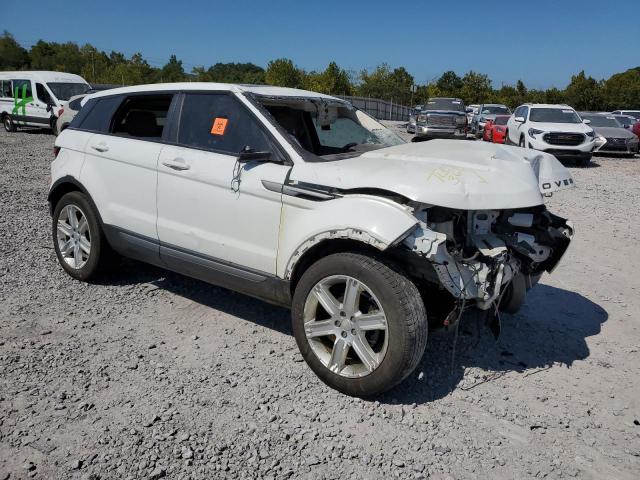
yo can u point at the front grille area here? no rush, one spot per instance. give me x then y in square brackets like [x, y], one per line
[561, 138]
[615, 144]
[441, 120]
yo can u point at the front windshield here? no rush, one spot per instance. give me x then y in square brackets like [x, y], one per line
[501, 120]
[633, 114]
[64, 91]
[450, 104]
[330, 130]
[554, 115]
[602, 121]
[624, 120]
[495, 110]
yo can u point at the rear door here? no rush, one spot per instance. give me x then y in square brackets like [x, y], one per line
[212, 209]
[24, 110]
[120, 169]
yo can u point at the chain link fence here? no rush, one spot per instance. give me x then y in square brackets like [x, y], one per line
[380, 109]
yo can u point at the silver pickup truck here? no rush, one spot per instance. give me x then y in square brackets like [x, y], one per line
[442, 118]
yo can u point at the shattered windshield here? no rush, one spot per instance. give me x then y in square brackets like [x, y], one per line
[329, 129]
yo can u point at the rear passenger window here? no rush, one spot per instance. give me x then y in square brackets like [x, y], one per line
[22, 88]
[142, 116]
[219, 122]
[96, 114]
[5, 89]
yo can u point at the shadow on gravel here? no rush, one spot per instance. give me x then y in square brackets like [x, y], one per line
[551, 328]
[130, 272]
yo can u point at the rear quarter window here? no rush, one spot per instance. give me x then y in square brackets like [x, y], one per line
[96, 115]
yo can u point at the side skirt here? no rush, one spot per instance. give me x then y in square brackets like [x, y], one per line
[218, 272]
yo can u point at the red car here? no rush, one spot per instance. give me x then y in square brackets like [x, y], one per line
[496, 130]
[636, 128]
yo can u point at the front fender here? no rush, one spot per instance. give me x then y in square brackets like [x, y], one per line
[373, 220]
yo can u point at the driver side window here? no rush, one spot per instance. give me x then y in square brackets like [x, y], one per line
[43, 95]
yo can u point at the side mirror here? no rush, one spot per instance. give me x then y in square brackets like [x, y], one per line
[248, 155]
[519, 119]
[586, 121]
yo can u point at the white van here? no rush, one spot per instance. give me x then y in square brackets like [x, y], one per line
[34, 98]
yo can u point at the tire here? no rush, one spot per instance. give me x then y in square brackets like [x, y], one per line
[88, 264]
[522, 143]
[585, 161]
[394, 351]
[9, 126]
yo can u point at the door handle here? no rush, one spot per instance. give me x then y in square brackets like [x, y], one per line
[100, 147]
[177, 164]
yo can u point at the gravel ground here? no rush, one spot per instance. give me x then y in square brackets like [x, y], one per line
[148, 374]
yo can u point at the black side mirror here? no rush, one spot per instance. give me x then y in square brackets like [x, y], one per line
[247, 155]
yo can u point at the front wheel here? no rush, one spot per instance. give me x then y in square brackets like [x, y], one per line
[521, 142]
[360, 325]
[9, 126]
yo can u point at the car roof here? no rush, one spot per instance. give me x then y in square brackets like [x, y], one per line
[266, 90]
[548, 105]
[44, 75]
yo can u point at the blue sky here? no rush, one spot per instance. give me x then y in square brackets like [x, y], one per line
[542, 42]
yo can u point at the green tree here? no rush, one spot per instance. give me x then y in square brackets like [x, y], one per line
[584, 93]
[622, 90]
[172, 71]
[283, 73]
[386, 84]
[476, 88]
[449, 84]
[12, 55]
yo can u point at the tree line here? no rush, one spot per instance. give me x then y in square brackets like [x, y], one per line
[621, 90]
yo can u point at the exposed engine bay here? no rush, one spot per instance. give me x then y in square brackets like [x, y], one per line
[479, 256]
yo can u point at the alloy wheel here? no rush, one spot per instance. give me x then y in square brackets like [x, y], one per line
[74, 237]
[346, 326]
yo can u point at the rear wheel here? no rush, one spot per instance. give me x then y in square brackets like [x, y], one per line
[360, 325]
[9, 126]
[77, 237]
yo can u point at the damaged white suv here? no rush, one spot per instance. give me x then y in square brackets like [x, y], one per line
[301, 200]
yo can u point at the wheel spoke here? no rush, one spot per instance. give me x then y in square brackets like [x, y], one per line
[72, 213]
[83, 225]
[371, 321]
[77, 255]
[85, 245]
[365, 353]
[338, 355]
[64, 228]
[327, 300]
[320, 328]
[67, 248]
[350, 303]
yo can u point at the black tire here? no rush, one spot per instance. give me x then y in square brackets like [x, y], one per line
[584, 161]
[404, 309]
[99, 251]
[9, 126]
[522, 143]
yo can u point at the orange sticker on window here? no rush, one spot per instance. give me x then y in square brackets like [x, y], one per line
[219, 126]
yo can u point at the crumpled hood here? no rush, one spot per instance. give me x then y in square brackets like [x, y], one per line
[449, 173]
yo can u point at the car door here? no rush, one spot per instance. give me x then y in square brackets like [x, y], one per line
[43, 105]
[120, 168]
[213, 211]
[24, 111]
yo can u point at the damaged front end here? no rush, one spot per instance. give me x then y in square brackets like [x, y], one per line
[485, 258]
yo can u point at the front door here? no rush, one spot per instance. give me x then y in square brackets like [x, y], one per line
[213, 210]
[24, 110]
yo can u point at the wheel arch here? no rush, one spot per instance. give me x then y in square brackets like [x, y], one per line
[68, 184]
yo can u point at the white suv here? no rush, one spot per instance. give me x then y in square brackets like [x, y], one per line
[555, 129]
[301, 200]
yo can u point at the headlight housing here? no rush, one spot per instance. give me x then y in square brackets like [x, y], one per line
[421, 118]
[461, 120]
[534, 131]
[591, 134]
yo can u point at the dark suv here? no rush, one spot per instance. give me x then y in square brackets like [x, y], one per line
[442, 118]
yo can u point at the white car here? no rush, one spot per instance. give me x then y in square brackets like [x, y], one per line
[299, 199]
[34, 99]
[555, 129]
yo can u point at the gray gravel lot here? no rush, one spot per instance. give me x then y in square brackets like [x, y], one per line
[148, 374]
